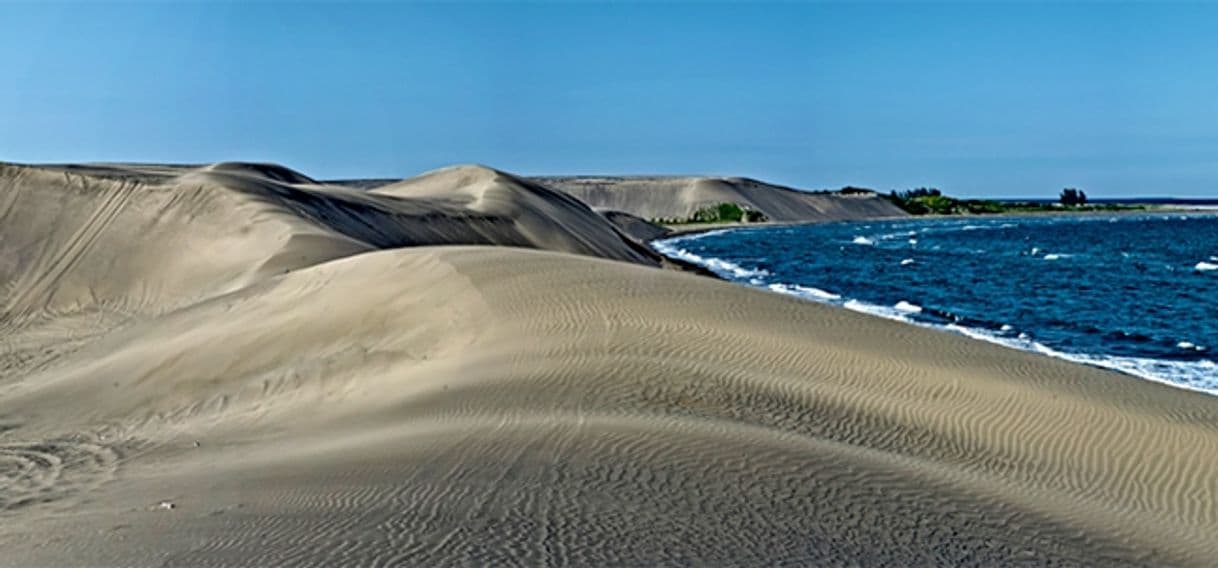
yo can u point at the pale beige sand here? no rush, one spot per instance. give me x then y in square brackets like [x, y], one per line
[480, 405]
[652, 197]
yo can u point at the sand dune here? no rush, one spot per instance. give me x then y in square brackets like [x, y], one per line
[316, 392]
[679, 197]
[155, 237]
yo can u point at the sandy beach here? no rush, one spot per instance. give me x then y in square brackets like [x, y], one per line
[236, 364]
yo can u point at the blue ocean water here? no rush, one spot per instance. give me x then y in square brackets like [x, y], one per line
[1133, 293]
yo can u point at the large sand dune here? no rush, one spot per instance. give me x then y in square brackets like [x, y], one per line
[652, 197]
[234, 365]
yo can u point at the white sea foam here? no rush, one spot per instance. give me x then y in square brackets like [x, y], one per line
[1205, 266]
[907, 307]
[876, 310]
[696, 236]
[907, 262]
[1192, 375]
[862, 241]
[724, 268]
[804, 292]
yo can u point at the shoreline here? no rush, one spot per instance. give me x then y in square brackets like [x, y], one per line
[683, 230]
[1095, 361]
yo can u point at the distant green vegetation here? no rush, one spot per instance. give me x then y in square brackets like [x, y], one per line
[931, 201]
[726, 212]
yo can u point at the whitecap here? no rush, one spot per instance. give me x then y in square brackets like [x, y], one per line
[804, 292]
[907, 307]
[724, 268]
[907, 262]
[1205, 266]
[862, 241]
[1006, 327]
[1052, 256]
[1186, 345]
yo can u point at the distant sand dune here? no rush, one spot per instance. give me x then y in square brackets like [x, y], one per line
[298, 402]
[679, 197]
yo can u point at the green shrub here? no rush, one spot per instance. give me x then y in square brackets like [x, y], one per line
[726, 212]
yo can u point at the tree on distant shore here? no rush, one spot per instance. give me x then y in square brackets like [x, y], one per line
[917, 193]
[1071, 197]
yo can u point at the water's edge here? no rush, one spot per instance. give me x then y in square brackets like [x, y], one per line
[1142, 368]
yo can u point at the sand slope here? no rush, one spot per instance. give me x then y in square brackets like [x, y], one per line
[482, 405]
[86, 248]
[680, 197]
[634, 226]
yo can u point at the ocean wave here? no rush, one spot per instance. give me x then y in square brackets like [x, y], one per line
[724, 268]
[907, 307]
[898, 235]
[699, 235]
[804, 292]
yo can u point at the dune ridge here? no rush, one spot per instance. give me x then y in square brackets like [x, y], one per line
[215, 228]
[327, 390]
[668, 197]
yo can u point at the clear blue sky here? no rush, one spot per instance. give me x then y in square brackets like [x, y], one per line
[979, 99]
